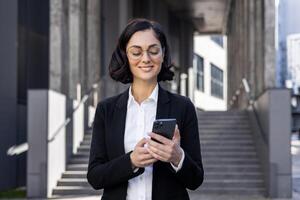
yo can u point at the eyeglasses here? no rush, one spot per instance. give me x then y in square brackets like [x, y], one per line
[136, 53]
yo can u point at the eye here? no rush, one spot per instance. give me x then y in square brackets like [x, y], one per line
[135, 52]
[154, 50]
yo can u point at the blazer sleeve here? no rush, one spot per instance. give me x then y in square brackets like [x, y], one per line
[191, 174]
[103, 172]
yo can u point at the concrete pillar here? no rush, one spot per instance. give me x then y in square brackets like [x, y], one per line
[56, 44]
[46, 140]
[8, 91]
[251, 43]
[75, 47]
[113, 22]
[269, 44]
[273, 111]
[259, 52]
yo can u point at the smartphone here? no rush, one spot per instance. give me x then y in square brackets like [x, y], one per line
[164, 127]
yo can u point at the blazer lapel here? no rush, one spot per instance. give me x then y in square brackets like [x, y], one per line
[118, 125]
[163, 106]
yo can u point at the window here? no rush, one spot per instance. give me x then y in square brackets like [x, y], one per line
[198, 66]
[216, 82]
[217, 39]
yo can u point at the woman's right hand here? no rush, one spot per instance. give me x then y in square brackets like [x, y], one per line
[140, 157]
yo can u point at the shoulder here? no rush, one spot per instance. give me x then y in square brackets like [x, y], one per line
[179, 99]
[110, 102]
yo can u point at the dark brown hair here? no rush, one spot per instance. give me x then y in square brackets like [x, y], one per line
[119, 66]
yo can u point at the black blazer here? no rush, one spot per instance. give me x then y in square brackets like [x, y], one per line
[109, 166]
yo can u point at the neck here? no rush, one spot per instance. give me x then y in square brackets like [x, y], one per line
[142, 90]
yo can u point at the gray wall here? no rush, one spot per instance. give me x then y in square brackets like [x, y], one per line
[271, 131]
[8, 91]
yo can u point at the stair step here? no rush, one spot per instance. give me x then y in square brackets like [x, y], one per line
[228, 148]
[73, 182]
[87, 137]
[227, 143]
[241, 183]
[223, 122]
[86, 142]
[224, 126]
[233, 161]
[232, 175]
[81, 155]
[75, 190]
[77, 167]
[218, 155]
[231, 190]
[219, 117]
[225, 137]
[74, 174]
[224, 132]
[232, 168]
[231, 113]
[79, 160]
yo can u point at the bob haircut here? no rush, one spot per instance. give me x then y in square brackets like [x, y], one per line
[119, 66]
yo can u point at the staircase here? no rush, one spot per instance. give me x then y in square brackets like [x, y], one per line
[73, 181]
[229, 157]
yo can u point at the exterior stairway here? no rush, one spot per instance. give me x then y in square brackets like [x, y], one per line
[231, 165]
[228, 152]
[73, 181]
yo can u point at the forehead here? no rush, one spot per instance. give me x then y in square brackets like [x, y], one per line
[143, 38]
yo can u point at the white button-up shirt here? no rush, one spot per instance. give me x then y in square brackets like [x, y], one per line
[139, 121]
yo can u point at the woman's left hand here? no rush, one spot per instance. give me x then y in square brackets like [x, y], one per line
[168, 150]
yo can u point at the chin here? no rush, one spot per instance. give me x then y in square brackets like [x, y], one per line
[147, 78]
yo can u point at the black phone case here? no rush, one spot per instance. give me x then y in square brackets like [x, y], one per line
[164, 127]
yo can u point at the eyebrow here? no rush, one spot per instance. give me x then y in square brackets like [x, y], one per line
[136, 46]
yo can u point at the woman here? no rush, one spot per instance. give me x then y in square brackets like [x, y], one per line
[124, 160]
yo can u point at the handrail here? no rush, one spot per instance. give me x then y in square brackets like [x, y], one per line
[69, 119]
[21, 148]
[247, 89]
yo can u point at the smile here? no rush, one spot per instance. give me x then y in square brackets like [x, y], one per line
[146, 68]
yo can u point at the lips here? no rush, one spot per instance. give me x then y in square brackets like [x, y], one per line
[146, 68]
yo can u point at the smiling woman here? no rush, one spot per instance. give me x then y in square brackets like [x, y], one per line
[124, 160]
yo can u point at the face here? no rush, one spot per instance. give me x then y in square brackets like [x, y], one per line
[145, 56]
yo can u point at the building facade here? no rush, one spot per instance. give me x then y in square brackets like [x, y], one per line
[209, 74]
[287, 23]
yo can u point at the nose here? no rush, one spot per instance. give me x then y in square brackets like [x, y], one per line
[145, 57]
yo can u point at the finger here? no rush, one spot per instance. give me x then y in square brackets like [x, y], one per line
[141, 143]
[157, 145]
[163, 154]
[148, 162]
[145, 157]
[157, 156]
[142, 150]
[160, 138]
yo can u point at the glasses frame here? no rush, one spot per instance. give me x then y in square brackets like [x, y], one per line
[147, 51]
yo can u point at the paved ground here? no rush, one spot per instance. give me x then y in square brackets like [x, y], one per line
[295, 149]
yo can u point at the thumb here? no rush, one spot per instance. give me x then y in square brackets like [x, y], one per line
[176, 137]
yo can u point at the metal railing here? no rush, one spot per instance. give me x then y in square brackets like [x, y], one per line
[21, 148]
[247, 89]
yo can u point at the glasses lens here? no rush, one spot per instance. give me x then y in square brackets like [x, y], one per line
[136, 53]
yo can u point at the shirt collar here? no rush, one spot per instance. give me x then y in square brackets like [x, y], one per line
[153, 96]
